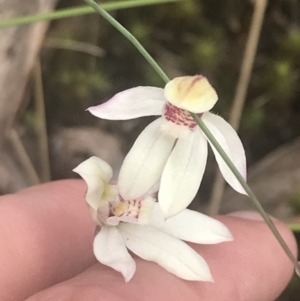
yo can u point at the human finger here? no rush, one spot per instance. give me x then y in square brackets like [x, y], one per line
[252, 267]
[46, 237]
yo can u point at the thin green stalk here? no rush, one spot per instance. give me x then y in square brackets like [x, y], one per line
[77, 11]
[130, 37]
[206, 131]
[250, 193]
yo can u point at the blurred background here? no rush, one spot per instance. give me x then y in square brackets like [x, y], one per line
[52, 72]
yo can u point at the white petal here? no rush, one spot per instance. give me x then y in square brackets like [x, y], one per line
[145, 161]
[110, 250]
[155, 188]
[191, 226]
[96, 174]
[95, 166]
[232, 145]
[183, 173]
[171, 253]
[131, 103]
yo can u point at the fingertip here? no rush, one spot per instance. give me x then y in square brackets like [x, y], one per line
[259, 259]
[47, 235]
[250, 215]
[283, 229]
[74, 187]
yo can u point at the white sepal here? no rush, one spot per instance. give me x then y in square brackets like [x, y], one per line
[110, 250]
[232, 145]
[191, 226]
[143, 165]
[182, 174]
[171, 253]
[131, 103]
[96, 174]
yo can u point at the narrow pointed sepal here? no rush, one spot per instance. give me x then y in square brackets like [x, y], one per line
[110, 250]
[145, 162]
[131, 103]
[231, 144]
[183, 173]
[96, 173]
[170, 253]
[191, 226]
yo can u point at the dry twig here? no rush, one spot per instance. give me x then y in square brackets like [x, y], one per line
[241, 92]
[41, 127]
[74, 46]
[23, 157]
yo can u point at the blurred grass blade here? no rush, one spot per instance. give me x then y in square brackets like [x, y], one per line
[294, 227]
[41, 124]
[78, 11]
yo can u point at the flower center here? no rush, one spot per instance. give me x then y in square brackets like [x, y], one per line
[136, 211]
[179, 116]
[128, 208]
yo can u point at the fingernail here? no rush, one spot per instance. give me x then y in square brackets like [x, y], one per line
[250, 215]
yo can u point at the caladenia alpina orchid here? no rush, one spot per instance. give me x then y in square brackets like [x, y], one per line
[138, 225]
[173, 149]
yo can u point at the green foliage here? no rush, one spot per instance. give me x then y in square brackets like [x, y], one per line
[294, 201]
[77, 11]
[206, 53]
[84, 83]
[291, 42]
[253, 119]
[282, 77]
[139, 30]
[191, 8]
[29, 119]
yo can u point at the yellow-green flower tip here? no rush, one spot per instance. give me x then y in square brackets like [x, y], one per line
[191, 93]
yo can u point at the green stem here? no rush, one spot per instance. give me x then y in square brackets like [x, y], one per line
[130, 37]
[77, 11]
[243, 183]
[206, 131]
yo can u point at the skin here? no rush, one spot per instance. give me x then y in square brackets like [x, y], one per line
[46, 254]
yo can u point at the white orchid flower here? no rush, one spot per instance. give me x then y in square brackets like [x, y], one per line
[138, 225]
[172, 148]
